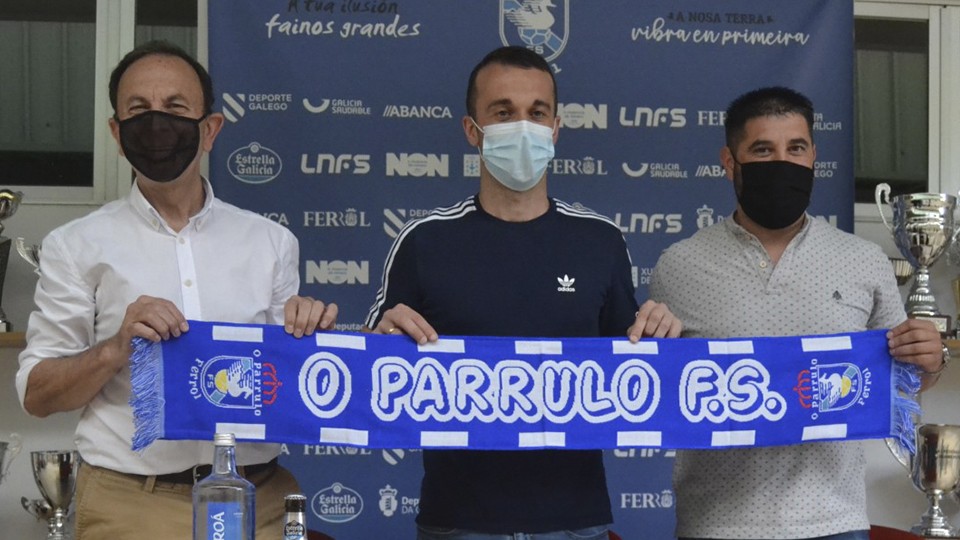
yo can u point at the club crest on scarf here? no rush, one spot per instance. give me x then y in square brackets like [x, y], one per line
[234, 382]
[832, 387]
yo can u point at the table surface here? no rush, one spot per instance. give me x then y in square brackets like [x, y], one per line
[15, 340]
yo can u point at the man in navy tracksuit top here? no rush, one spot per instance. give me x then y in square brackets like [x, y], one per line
[510, 261]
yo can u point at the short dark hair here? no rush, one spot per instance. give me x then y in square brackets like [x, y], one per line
[515, 56]
[769, 101]
[161, 48]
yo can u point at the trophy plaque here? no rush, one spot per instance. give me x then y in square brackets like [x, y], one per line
[55, 473]
[935, 470]
[9, 202]
[922, 229]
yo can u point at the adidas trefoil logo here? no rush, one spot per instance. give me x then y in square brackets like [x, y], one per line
[566, 284]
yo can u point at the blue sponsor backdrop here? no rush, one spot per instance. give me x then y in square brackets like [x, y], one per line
[344, 121]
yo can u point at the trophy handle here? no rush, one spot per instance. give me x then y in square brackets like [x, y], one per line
[16, 444]
[880, 193]
[898, 452]
[37, 508]
[31, 254]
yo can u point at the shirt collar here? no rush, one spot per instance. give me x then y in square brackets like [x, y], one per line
[744, 235]
[149, 214]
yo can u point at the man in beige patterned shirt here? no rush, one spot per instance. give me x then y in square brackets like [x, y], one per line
[771, 269]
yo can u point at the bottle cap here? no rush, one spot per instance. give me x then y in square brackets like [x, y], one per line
[224, 439]
[295, 503]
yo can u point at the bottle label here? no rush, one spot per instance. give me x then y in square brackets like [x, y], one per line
[294, 531]
[224, 521]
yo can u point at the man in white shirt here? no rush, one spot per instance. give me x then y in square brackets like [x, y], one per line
[141, 267]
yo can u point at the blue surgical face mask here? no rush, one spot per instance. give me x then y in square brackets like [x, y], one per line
[517, 153]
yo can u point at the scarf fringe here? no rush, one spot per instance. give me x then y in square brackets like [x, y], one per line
[146, 395]
[906, 410]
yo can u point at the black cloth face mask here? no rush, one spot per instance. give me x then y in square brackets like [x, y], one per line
[774, 194]
[160, 145]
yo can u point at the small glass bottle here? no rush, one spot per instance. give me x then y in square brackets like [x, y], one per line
[295, 520]
[223, 503]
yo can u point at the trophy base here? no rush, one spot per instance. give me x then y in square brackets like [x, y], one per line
[934, 532]
[933, 524]
[942, 322]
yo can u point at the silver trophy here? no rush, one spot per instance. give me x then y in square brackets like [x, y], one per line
[922, 230]
[935, 470]
[902, 269]
[55, 472]
[9, 202]
[9, 451]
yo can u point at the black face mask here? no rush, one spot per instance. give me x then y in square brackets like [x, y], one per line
[160, 145]
[774, 194]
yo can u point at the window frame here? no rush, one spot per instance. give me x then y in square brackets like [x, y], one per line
[943, 116]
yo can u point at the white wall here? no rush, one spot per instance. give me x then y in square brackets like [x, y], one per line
[55, 432]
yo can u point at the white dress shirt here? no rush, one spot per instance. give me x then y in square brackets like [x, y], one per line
[227, 264]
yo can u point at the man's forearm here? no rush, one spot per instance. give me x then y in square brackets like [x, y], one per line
[68, 383]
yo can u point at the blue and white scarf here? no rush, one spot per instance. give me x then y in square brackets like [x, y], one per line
[497, 393]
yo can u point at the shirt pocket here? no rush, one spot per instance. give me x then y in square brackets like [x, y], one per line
[848, 308]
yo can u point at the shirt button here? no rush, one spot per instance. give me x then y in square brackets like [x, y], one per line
[763, 264]
[182, 241]
[188, 283]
